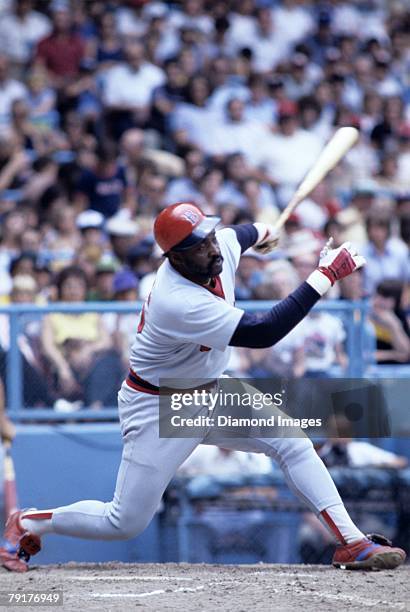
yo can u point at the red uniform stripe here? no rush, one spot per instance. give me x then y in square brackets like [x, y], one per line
[331, 524]
[39, 516]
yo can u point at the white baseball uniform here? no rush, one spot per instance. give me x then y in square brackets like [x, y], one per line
[184, 332]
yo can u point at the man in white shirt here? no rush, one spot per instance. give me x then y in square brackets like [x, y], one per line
[128, 87]
[236, 134]
[21, 30]
[289, 153]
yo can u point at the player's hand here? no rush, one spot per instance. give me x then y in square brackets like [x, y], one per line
[340, 262]
[269, 238]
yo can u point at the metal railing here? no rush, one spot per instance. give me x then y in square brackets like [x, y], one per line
[354, 317]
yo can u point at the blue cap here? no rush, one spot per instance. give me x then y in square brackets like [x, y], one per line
[124, 280]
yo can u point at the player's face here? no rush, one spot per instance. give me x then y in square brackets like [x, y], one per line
[204, 260]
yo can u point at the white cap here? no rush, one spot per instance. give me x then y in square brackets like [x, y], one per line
[24, 282]
[90, 218]
[121, 225]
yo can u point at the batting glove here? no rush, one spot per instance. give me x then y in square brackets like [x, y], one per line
[268, 238]
[335, 264]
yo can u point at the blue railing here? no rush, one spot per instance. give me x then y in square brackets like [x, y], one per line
[353, 313]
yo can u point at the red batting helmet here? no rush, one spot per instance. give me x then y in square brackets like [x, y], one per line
[181, 226]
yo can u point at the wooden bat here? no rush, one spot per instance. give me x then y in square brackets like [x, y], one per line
[342, 140]
[10, 490]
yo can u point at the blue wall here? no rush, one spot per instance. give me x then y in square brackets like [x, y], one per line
[60, 464]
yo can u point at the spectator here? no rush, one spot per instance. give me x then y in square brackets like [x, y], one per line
[105, 270]
[151, 199]
[236, 134]
[168, 94]
[387, 256]
[323, 345]
[192, 122]
[64, 241]
[288, 154]
[248, 275]
[79, 349]
[121, 326]
[186, 187]
[104, 188]
[293, 20]
[142, 259]
[301, 77]
[132, 149]
[242, 189]
[62, 52]
[214, 461]
[90, 223]
[223, 86]
[403, 159]
[386, 180]
[123, 234]
[20, 30]
[36, 391]
[41, 100]
[269, 46]
[384, 134]
[353, 217]
[311, 117]
[13, 226]
[403, 214]
[259, 106]
[10, 90]
[106, 48]
[341, 449]
[390, 323]
[127, 90]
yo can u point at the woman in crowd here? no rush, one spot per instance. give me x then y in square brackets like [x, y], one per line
[79, 349]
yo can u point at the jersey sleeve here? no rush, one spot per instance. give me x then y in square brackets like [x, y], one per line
[208, 321]
[232, 245]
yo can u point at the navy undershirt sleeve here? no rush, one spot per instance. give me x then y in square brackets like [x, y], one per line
[263, 330]
[247, 235]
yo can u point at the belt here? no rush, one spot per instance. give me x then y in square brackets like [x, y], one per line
[139, 384]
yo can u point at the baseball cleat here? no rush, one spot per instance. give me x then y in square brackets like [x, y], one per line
[18, 545]
[374, 552]
[10, 559]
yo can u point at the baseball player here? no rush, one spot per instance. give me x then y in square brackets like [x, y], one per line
[186, 329]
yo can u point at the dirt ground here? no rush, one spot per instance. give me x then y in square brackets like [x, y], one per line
[118, 586]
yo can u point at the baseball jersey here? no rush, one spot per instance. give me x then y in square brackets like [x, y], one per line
[184, 329]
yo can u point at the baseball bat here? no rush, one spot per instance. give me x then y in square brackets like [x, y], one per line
[340, 143]
[10, 489]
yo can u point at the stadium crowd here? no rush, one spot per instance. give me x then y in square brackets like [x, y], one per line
[110, 111]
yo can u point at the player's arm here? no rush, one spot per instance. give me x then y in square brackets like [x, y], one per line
[265, 237]
[261, 331]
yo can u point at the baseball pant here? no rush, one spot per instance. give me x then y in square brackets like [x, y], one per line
[149, 462]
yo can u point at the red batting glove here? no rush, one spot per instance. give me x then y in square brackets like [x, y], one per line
[338, 263]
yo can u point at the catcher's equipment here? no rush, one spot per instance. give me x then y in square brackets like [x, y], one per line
[182, 226]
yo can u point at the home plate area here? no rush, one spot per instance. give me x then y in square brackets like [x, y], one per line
[119, 586]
